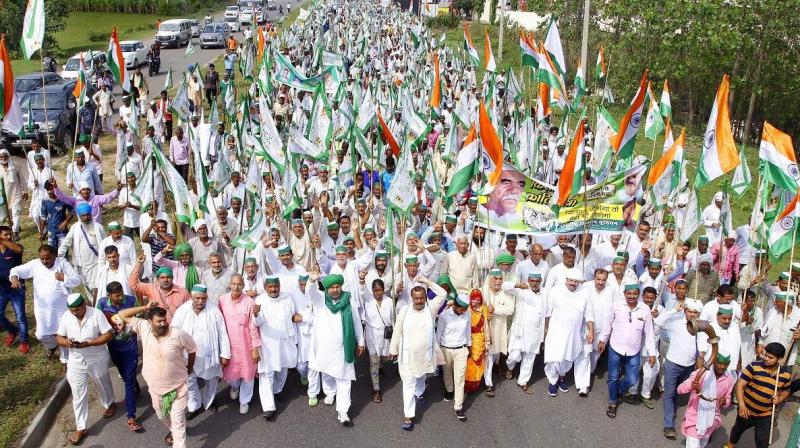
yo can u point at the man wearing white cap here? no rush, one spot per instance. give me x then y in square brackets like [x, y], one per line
[125, 246]
[711, 218]
[206, 326]
[568, 311]
[527, 328]
[14, 185]
[776, 328]
[79, 171]
[275, 317]
[84, 331]
[203, 245]
[683, 355]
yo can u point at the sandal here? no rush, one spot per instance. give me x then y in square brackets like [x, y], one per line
[408, 424]
[489, 392]
[168, 439]
[110, 411]
[134, 426]
[77, 438]
[376, 396]
[509, 374]
[527, 389]
[611, 412]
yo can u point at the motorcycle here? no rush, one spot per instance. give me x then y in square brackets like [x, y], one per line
[207, 20]
[153, 65]
[49, 64]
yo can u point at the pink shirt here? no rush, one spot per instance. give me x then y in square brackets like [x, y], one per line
[627, 326]
[179, 150]
[163, 362]
[243, 334]
[169, 300]
[731, 261]
[725, 385]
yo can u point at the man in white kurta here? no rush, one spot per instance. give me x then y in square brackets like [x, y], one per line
[349, 270]
[84, 331]
[527, 328]
[54, 279]
[328, 343]
[414, 345]
[113, 270]
[276, 323]
[501, 307]
[601, 297]
[206, 326]
[83, 239]
[711, 219]
[568, 310]
[303, 306]
[124, 244]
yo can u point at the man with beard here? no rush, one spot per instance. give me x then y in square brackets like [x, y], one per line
[78, 172]
[206, 326]
[83, 239]
[163, 291]
[203, 245]
[703, 282]
[88, 196]
[168, 356]
[379, 271]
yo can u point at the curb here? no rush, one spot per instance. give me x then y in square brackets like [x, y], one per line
[40, 425]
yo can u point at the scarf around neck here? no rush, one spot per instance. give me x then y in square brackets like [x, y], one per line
[342, 306]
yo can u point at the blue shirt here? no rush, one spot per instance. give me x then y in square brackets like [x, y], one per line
[124, 340]
[8, 260]
[54, 213]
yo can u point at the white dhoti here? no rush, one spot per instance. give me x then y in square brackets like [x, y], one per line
[412, 388]
[78, 374]
[201, 392]
[269, 384]
[338, 388]
[693, 442]
[526, 366]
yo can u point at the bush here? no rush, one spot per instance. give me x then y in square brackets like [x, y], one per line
[98, 36]
[445, 21]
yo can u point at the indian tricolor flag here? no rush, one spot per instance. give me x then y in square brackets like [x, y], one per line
[469, 48]
[11, 112]
[527, 45]
[719, 151]
[655, 123]
[783, 229]
[116, 63]
[572, 174]
[79, 91]
[387, 135]
[623, 141]
[666, 103]
[543, 103]
[780, 164]
[672, 158]
[548, 73]
[488, 57]
[492, 146]
[436, 90]
[600, 67]
[466, 164]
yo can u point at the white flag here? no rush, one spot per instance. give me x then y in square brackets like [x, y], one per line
[33, 28]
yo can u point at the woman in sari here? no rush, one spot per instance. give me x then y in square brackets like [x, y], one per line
[476, 362]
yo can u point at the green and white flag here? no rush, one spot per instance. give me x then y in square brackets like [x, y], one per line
[366, 112]
[32, 28]
[320, 127]
[414, 122]
[401, 193]
[221, 176]
[287, 74]
[513, 89]
[655, 122]
[230, 101]
[432, 183]
[177, 186]
[741, 177]
[332, 59]
[213, 116]
[301, 146]
[168, 80]
[143, 193]
[250, 239]
[200, 177]
[270, 137]
[189, 49]
[253, 180]
[606, 127]
[180, 104]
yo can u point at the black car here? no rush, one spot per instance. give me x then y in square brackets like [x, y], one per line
[57, 127]
[25, 83]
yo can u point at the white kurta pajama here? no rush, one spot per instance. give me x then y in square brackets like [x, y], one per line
[351, 280]
[601, 302]
[88, 362]
[278, 345]
[208, 330]
[418, 353]
[527, 331]
[503, 304]
[327, 350]
[568, 312]
[85, 249]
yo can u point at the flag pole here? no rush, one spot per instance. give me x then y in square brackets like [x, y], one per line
[44, 103]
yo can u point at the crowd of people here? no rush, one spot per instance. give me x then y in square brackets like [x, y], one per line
[306, 266]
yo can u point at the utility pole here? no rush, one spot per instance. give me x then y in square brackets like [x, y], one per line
[502, 27]
[587, 6]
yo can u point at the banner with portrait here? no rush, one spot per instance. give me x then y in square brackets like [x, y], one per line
[522, 205]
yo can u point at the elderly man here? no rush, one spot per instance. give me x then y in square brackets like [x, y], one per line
[168, 356]
[83, 239]
[88, 196]
[712, 216]
[14, 184]
[163, 291]
[461, 265]
[206, 326]
[55, 277]
[780, 324]
[535, 263]
[568, 311]
[527, 327]
[84, 331]
[628, 329]
[217, 278]
[275, 317]
[300, 242]
[203, 245]
[81, 173]
[337, 338]
[414, 345]
[186, 273]
[703, 282]
[124, 244]
[238, 309]
[501, 308]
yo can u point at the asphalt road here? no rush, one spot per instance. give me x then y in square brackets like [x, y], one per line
[511, 418]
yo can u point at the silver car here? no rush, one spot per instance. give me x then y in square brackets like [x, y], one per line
[214, 35]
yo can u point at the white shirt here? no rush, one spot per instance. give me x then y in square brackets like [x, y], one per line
[683, 347]
[453, 330]
[93, 324]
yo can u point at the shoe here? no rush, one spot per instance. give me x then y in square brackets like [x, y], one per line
[192, 414]
[583, 393]
[669, 433]
[448, 395]
[304, 380]
[630, 398]
[552, 390]
[648, 403]
[376, 396]
[281, 397]
[269, 416]
[562, 385]
[24, 348]
[312, 401]
[489, 392]
[329, 399]
[244, 408]
[9, 341]
[407, 425]
[234, 393]
[343, 418]
[460, 415]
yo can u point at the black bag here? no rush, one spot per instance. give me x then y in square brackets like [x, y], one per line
[388, 331]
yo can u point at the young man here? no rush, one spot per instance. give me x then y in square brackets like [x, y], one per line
[454, 336]
[707, 397]
[10, 257]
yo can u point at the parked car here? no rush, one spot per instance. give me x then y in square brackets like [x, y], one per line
[195, 27]
[233, 24]
[59, 122]
[25, 83]
[271, 5]
[91, 60]
[246, 17]
[134, 52]
[214, 35]
[174, 33]
[232, 11]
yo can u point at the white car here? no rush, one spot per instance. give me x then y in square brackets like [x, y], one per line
[232, 11]
[134, 52]
[91, 61]
[246, 17]
[233, 24]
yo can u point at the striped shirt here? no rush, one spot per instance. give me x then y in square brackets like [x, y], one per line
[760, 387]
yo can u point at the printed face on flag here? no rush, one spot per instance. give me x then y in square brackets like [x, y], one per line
[506, 194]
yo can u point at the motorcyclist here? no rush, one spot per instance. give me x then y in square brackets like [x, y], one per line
[154, 58]
[49, 64]
[207, 19]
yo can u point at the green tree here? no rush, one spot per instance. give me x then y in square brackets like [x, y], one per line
[12, 15]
